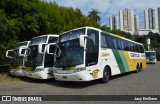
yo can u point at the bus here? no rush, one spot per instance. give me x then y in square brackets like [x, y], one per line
[17, 56]
[88, 53]
[151, 57]
[39, 65]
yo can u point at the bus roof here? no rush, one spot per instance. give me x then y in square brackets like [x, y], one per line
[23, 42]
[104, 32]
[55, 35]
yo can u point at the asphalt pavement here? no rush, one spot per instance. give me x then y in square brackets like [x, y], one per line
[146, 82]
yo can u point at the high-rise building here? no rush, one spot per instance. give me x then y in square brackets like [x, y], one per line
[151, 19]
[113, 22]
[136, 22]
[158, 19]
[127, 20]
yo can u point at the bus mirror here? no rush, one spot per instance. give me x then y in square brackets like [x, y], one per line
[82, 40]
[51, 48]
[10, 53]
[28, 51]
[41, 48]
[22, 50]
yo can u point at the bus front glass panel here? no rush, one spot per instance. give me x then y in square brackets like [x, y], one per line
[35, 59]
[17, 60]
[71, 52]
[150, 54]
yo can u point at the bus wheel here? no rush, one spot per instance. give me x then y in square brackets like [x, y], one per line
[138, 69]
[106, 75]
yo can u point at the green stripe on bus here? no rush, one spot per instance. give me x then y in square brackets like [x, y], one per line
[124, 61]
[119, 60]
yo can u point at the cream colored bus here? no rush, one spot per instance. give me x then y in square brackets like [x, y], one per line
[39, 64]
[18, 59]
[88, 53]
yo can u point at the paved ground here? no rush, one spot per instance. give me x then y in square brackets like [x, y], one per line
[146, 82]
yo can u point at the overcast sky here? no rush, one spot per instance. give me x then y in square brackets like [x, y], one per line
[111, 7]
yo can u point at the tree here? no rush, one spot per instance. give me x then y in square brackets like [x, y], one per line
[94, 14]
[21, 20]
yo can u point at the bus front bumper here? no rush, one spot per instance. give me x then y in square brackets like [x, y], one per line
[78, 76]
[39, 75]
[151, 61]
[17, 72]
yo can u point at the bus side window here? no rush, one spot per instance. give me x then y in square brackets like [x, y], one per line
[141, 49]
[115, 43]
[119, 47]
[103, 40]
[109, 42]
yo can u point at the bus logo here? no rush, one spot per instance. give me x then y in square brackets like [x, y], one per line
[95, 73]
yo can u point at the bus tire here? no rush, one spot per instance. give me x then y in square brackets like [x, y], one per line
[106, 75]
[138, 68]
[141, 67]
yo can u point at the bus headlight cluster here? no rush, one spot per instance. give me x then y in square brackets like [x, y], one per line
[54, 71]
[39, 69]
[79, 69]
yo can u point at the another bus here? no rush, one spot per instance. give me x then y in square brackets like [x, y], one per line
[88, 53]
[18, 59]
[151, 57]
[39, 65]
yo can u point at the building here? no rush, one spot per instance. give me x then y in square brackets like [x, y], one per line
[158, 18]
[136, 22]
[151, 19]
[113, 22]
[144, 31]
[128, 21]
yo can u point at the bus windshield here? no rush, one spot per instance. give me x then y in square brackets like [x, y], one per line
[38, 40]
[18, 60]
[35, 59]
[71, 52]
[150, 54]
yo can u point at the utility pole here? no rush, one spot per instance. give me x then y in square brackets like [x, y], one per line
[148, 43]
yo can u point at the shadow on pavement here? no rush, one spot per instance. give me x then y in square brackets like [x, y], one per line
[64, 84]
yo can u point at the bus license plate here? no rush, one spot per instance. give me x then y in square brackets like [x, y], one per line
[64, 77]
[27, 69]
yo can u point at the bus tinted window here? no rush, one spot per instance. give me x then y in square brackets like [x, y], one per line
[52, 40]
[104, 41]
[108, 41]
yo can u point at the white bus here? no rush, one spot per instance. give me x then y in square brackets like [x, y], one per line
[151, 57]
[17, 56]
[88, 53]
[39, 65]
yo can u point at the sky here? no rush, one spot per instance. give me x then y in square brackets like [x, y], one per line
[111, 7]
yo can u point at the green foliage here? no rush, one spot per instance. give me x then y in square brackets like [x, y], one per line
[94, 14]
[21, 20]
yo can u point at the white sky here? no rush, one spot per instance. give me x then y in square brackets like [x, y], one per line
[111, 7]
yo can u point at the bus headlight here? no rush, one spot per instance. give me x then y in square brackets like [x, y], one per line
[79, 69]
[55, 71]
[39, 69]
